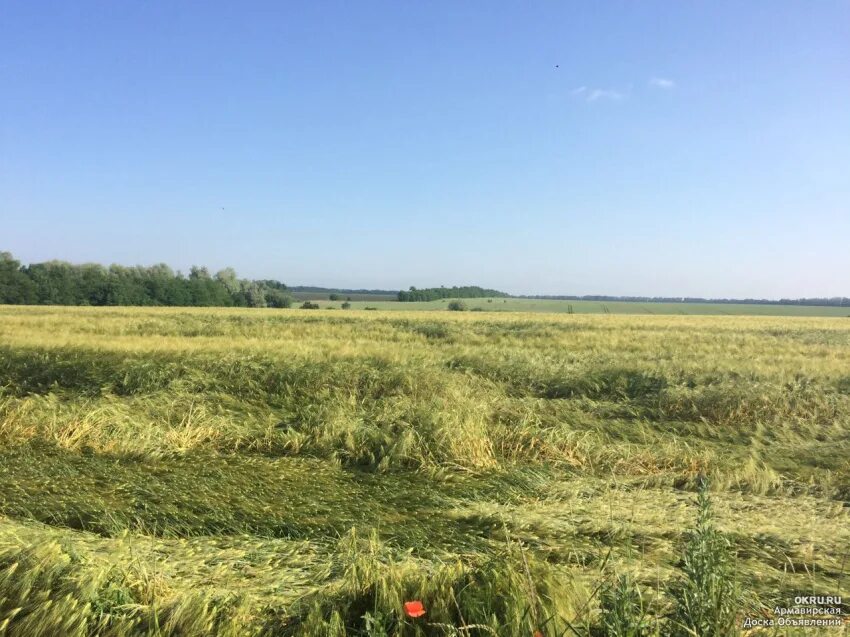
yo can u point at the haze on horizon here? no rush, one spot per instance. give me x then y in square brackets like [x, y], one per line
[659, 149]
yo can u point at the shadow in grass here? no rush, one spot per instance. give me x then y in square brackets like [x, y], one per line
[196, 495]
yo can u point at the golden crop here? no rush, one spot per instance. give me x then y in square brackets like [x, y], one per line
[230, 471]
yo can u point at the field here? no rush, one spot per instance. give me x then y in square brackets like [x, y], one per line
[587, 307]
[292, 472]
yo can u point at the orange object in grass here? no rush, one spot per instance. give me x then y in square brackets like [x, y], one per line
[537, 633]
[414, 609]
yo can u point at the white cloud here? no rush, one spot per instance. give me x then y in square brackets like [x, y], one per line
[662, 82]
[594, 94]
[604, 94]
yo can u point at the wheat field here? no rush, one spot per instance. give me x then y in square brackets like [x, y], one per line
[287, 472]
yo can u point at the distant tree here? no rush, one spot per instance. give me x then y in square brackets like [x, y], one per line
[15, 285]
[457, 306]
[433, 294]
[334, 297]
[227, 277]
[309, 305]
[274, 285]
[196, 272]
[346, 305]
[163, 286]
[253, 293]
[93, 284]
[60, 283]
[277, 298]
[176, 291]
[55, 283]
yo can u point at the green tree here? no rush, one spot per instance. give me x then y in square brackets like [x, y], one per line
[15, 286]
[253, 294]
[198, 273]
[277, 298]
[442, 292]
[227, 277]
[55, 283]
[60, 283]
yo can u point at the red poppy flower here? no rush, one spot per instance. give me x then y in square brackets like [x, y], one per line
[414, 608]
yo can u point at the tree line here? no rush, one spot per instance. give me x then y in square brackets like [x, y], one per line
[840, 301]
[433, 294]
[61, 283]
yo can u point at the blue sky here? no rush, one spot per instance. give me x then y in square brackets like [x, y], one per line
[678, 148]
